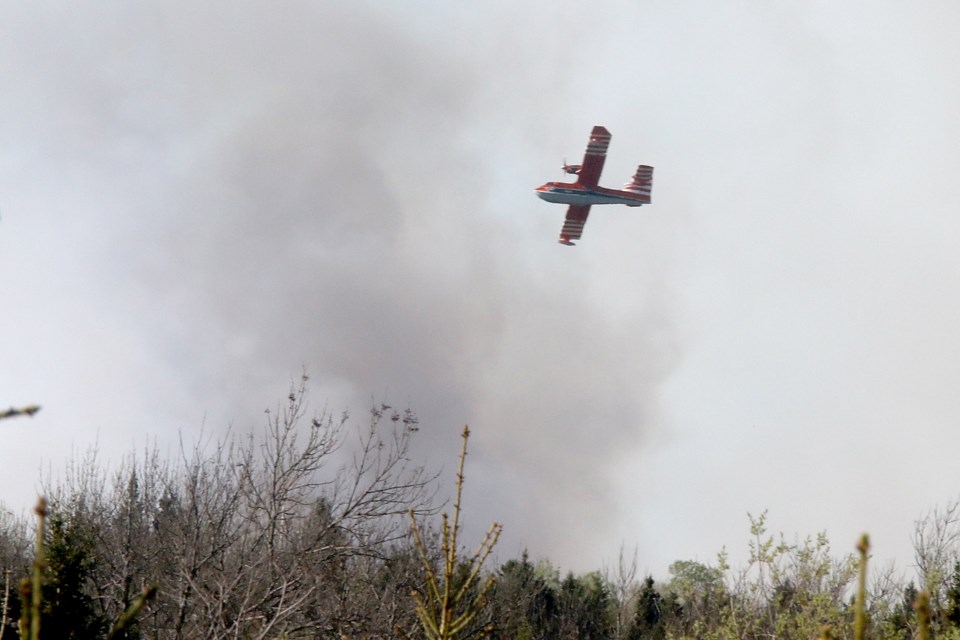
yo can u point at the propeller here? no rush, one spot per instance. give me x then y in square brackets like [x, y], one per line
[570, 168]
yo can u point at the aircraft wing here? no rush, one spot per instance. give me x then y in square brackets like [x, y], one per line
[593, 159]
[573, 225]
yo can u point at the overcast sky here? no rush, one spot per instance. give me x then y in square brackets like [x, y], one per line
[200, 200]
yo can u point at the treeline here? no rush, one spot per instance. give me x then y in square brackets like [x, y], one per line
[303, 531]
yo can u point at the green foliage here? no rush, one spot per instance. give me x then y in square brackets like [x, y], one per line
[530, 601]
[585, 607]
[953, 598]
[650, 620]
[523, 602]
[905, 616]
[69, 611]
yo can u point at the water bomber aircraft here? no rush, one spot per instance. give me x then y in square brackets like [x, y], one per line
[585, 192]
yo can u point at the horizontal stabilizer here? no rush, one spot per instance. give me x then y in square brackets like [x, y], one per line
[642, 182]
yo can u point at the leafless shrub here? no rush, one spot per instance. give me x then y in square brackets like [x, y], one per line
[299, 530]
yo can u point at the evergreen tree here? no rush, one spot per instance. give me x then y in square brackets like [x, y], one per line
[585, 607]
[69, 611]
[953, 598]
[649, 620]
[900, 618]
[524, 604]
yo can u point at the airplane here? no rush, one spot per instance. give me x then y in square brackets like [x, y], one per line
[585, 192]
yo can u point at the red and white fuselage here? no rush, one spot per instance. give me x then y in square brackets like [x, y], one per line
[585, 192]
[576, 193]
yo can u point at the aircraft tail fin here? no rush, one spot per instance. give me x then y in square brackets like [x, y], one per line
[642, 182]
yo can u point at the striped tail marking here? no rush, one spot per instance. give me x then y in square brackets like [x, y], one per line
[642, 182]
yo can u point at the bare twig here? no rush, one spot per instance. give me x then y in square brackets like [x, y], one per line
[13, 412]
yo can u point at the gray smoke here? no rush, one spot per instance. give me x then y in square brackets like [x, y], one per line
[253, 190]
[200, 200]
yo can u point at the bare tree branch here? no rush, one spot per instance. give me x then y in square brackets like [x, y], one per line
[13, 412]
